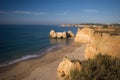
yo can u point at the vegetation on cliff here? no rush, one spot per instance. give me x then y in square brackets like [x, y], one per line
[102, 67]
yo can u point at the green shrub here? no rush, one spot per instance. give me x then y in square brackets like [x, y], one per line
[105, 27]
[102, 67]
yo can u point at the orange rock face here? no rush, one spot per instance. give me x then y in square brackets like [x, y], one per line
[84, 35]
[65, 67]
[98, 43]
[103, 43]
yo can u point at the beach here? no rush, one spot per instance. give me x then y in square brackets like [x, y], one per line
[43, 67]
[59, 40]
[19, 42]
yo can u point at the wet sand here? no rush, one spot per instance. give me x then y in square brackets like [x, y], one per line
[43, 67]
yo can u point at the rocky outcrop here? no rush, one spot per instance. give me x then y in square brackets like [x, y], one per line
[64, 34]
[70, 34]
[103, 43]
[95, 43]
[61, 35]
[53, 34]
[84, 35]
[98, 42]
[64, 68]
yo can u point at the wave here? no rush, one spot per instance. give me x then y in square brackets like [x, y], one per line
[54, 47]
[20, 59]
[26, 57]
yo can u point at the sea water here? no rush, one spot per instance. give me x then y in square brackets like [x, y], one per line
[20, 42]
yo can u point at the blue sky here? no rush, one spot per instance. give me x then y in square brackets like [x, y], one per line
[59, 11]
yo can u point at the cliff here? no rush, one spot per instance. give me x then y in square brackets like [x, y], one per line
[95, 43]
[98, 42]
[103, 43]
[84, 35]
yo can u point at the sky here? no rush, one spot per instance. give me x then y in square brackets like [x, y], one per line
[59, 11]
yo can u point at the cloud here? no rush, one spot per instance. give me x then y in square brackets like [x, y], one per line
[64, 13]
[3, 12]
[29, 13]
[91, 11]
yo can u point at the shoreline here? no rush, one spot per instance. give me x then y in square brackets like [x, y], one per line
[43, 65]
[32, 56]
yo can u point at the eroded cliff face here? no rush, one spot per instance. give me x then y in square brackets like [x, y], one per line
[84, 35]
[103, 43]
[98, 43]
[64, 68]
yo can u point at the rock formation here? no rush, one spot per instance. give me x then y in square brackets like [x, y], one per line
[70, 34]
[61, 35]
[84, 35]
[53, 34]
[66, 66]
[64, 34]
[98, 42]
[103, 43]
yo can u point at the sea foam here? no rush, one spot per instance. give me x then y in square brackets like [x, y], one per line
[26, 57]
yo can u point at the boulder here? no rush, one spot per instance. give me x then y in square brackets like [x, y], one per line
[53, 34]
[64, 34]
[70, 34]
[64, 68]
[59, 35]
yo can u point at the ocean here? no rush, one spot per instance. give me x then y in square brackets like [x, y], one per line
[21, 42]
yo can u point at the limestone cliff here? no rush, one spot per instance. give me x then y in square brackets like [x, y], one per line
[103, 43]
[95, 43]
[98, 42]
[84, 35]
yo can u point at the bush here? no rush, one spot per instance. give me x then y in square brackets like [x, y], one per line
[102, 67]
[105, 27]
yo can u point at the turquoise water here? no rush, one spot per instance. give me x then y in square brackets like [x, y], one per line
[19, 42]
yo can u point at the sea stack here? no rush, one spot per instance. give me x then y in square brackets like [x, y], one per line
[53, 34]
[70, 34]
[61, 35]
[64, 34]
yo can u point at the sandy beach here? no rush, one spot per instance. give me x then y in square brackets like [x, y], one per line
[43, 67]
